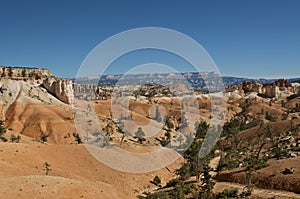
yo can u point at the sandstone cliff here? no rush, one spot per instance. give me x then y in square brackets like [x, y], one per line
[17, 73]
[60, 88]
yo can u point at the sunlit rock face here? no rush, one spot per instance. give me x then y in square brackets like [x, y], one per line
[296, 88]
[279, 89]
[252, 87]
[60, 88]
[34, 75]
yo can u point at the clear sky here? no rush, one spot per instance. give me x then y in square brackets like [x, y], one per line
[244, 38]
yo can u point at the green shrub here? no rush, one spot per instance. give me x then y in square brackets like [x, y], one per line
[43, 137]
[229, 164]
[14, 138]
[157, 195]
[269, 117]
[77, 138]
[156, 181]
[173, 182]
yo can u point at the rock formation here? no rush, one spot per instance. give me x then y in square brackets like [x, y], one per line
[279, 89]
[60, 88]
[91, 92]
[252, 87]
[17, 73]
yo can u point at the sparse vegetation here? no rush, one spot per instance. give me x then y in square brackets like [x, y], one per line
[201, 129]
[43, 137]
[208, 184]
[156, 180]
[228, 194]
[14, 138]
[269, 117]
[47, 167]
[164, 141]
[109, 129]
[157, 114]
[257, 130]
[77, 138]
[140, 135]
[2, 131]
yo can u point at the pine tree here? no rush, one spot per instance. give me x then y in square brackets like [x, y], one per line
[208, 184]
[157, 114]
[43, 137]
[140, 135]
[156, 181]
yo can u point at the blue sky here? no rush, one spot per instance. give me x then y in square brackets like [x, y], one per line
[244, 38]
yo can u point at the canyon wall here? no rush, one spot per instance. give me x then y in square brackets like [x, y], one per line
[60, 88]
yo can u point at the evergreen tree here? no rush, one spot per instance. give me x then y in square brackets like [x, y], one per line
[156, 181]
[208, 184]
[157, 114]
[140, 135]
[43, 137]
